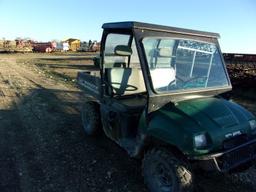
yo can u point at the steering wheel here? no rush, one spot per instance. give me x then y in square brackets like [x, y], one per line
[185, 81]
[195, 78]
[173, 83]
[122, 89]
[188, 80]
[127, 87]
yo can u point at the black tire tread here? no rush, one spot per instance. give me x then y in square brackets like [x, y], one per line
[183, 172]
[92, 109]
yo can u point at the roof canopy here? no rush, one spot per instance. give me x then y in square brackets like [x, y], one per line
[153, 27]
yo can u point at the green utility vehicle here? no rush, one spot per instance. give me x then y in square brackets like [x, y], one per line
[161, 94]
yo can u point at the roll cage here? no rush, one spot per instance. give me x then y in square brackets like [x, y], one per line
[137, 32]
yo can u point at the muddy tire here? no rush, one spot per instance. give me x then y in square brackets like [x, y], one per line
[163, 172]
[91, 118]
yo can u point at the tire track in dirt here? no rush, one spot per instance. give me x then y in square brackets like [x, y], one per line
[20, 97]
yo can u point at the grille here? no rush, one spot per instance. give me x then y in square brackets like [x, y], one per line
[235, 141]
[235, 158]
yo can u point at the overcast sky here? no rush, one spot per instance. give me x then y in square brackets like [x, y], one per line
[45, 20]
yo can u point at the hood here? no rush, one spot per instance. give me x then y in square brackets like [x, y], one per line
[218, 118]
[222, 113]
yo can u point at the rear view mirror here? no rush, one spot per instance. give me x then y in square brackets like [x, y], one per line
[123, 50]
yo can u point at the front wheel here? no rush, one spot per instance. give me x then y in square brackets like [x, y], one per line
[163, 172]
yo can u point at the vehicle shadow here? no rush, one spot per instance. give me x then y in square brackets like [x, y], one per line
[44, 148]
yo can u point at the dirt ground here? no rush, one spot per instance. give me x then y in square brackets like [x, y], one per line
[42, 143]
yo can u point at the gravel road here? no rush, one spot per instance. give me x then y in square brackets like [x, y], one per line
[43, 146]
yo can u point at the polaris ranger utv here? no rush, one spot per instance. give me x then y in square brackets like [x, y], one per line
[160, 93]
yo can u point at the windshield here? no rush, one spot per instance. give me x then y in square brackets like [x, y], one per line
[178, 64]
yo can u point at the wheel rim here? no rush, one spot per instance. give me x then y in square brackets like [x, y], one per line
[163, 177]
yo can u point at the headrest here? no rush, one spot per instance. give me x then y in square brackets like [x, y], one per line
[165, 52]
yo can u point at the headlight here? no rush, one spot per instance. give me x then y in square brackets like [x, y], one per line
[200, 141]
[252, 124]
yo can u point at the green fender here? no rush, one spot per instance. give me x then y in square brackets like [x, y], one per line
[178, 124]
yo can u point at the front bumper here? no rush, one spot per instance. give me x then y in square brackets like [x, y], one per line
[229, 160]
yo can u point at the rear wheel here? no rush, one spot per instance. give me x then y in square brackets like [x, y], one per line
[91, 118]
[163, 172]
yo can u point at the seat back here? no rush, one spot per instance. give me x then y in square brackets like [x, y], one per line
[162, 77]
[125, 81]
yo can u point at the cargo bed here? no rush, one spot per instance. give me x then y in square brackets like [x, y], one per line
[89, 81]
